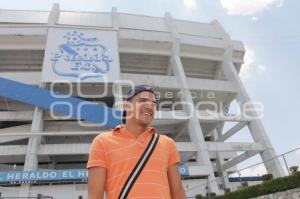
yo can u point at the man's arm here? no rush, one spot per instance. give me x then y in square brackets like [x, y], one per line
[96, 182]
[177, 191]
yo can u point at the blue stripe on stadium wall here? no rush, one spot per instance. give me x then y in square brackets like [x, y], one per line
[245, 179]
[78, 175]
[70, 106]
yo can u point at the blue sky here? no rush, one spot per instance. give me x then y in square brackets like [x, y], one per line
[269, 30]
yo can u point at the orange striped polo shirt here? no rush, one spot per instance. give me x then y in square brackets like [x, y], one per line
[119, 151]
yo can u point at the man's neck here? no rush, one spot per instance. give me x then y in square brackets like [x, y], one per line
[135, 129]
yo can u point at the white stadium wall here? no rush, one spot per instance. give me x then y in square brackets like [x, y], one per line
[185, 62]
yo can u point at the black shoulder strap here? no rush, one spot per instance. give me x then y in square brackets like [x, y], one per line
[139, 167]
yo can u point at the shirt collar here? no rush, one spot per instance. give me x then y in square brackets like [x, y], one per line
[121, 131]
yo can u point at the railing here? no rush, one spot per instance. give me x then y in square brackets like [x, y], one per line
[239, 179]
[249, 175]
[39, 196]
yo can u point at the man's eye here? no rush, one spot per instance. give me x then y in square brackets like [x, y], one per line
[142, 100]
[145, 100]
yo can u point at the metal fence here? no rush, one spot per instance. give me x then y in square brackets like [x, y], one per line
[290, 162]
[38, 196]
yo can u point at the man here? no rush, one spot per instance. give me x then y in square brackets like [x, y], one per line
[113, 155]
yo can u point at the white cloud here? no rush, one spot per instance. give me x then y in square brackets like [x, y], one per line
[249, 68]
[254, 18]
[190, 3]
[280, 3]
[261, 69]
[248, 7]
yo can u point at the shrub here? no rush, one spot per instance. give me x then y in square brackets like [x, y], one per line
[267, 177]
[199, 196]
[244, 184]
[227, 190]
[211, 195]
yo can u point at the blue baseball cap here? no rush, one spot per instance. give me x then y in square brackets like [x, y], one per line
[138, 89]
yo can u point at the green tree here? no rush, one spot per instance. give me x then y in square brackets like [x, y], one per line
[294, 169]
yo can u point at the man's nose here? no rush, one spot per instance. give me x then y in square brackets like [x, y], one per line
[150, 103]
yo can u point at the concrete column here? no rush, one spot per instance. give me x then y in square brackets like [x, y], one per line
[194, 127]
[115, 19]
[118, 95]
[193, 124]
[31, 160]
[118, 92]
[219, 162]
[54, 15]
[216, 133]
[255, 126]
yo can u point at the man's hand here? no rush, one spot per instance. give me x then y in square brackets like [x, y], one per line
[177, 191]
[96, 182]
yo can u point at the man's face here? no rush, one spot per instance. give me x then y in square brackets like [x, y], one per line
[142, 108]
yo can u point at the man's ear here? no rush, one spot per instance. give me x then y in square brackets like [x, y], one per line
[126, 105]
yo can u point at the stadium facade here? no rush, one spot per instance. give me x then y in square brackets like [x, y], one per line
[192, 66]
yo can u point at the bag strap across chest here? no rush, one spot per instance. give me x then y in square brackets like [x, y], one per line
[139, 167]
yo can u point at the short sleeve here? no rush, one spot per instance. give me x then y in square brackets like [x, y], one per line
[174, 155]
[97, 154]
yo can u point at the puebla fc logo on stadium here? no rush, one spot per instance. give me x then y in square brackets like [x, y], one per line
[80, 57]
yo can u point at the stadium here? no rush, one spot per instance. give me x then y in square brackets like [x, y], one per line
[192, 66]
